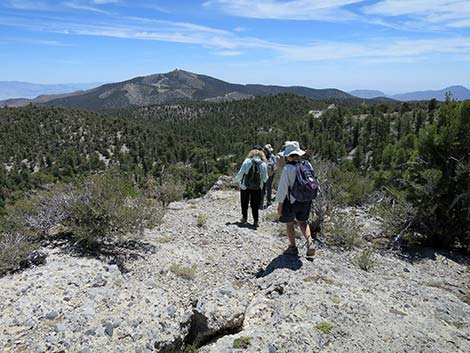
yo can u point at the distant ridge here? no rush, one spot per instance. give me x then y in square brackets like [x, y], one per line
[367, 93]
[457, 92]
[28, 90]
[177, 85]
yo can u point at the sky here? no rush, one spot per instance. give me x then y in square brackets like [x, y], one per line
[389, 45]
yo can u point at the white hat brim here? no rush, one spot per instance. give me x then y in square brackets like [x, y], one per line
[297, 152]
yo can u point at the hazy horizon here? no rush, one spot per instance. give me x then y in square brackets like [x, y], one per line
[387, 92]
[388, 45]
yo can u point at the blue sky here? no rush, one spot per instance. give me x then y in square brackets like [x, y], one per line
[392, 45]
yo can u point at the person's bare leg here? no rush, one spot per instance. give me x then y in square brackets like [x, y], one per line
[306, 231]
[291, 233]
[308, 236]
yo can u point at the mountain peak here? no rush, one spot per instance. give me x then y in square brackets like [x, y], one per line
[176, 85]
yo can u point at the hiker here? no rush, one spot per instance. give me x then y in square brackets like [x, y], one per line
[280, 159]
[289, 208]
[252, 176]
[272, 167]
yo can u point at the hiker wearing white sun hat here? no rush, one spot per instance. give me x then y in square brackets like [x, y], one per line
[289, 209]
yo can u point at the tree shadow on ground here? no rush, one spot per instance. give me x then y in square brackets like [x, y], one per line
[417, 254]
[110, 252]
[291, 262]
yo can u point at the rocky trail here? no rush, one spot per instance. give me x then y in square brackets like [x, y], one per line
[204, 282]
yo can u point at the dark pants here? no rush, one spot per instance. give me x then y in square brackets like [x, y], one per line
[267, 191]
[252, 197]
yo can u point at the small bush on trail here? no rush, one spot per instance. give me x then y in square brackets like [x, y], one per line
[343, 232]
[98, 209]
[242, 342]
[17, 240]
[169, 191]
[201, 220]
[323, 205]
[325, 327]
[108, 207]
[14, 247]
[366, 259]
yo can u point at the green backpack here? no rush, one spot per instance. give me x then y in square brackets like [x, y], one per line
[252, 179]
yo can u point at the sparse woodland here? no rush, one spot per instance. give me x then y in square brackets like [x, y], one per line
[411, 160]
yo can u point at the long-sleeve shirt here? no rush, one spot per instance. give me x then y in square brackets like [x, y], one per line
[272, 161]
[244, 169]
[286, 182]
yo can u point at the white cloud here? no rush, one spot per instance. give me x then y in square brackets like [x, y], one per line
[324, 10]
[396, 50]
[83, 6]
[448, 13]
[226, 43]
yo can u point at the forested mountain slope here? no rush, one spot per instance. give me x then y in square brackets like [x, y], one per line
[420, 150]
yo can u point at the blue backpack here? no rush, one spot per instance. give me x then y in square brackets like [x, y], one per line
[306, 186]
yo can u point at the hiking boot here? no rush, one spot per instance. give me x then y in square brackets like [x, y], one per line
[256, 224]
[291, 250]
[243, 220]
[310, 250]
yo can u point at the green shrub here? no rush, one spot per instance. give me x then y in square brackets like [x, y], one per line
[169, 191]
[108, 208]
[398, 217]
[350, 187]
[325, 327]
[190, 348]
[242, 342]
[324, 203]
[17, 239]
[14, 247]
[201, 220]
[366, 259]
[343, 231]
[94, 210]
